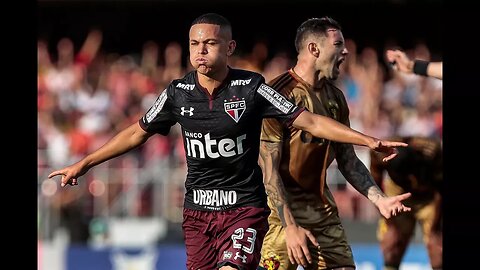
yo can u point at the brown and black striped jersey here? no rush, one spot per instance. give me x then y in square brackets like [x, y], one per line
[304, 157]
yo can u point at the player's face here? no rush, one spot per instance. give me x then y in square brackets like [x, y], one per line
[333, 54]
[209, 48]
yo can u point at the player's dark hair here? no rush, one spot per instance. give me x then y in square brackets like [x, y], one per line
[403, 162]
[213, 18]
[411, 161]
[317, 26]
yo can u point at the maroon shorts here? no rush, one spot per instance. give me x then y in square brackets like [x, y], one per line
[217, 238]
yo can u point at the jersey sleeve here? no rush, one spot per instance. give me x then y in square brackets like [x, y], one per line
[272, 129]
[276, 105]
[159, 118]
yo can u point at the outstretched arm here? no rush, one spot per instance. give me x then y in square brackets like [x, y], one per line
[435, 69]
[401, 62]
[295, 236]
[127, 139]
[324, 127]
[357, 174]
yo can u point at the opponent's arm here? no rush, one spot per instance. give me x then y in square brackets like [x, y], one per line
[270, 154]
[435, 69]
[401, 62]
[377, 168]
[126, 140]
[324, 127]
[357, 174]
[353, 169]
[295, 236]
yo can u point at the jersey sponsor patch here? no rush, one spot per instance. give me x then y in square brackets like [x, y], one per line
[277, 100]
[157, 107]
[184, 111]
[214, 199]
[240, 82]
[235, 107]
[202, 146]
[185, 86]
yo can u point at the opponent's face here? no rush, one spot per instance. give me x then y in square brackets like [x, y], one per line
[332, 53]
[209, 47]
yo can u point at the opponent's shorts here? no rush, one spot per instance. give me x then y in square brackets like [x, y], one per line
[425, 210]
[217, 238]
[333, 252]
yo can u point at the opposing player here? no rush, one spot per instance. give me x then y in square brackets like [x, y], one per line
[305, 228]
[220, 111]
[417, 169]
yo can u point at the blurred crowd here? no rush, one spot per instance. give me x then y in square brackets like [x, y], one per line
[86, 95]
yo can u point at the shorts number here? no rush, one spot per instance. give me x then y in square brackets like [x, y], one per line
[239, 234]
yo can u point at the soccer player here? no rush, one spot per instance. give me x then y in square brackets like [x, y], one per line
[220, 111]
[417, 169]
[305, 228]
[401, 62]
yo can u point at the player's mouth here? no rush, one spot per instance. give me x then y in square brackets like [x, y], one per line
[201, 61]
[339, 62]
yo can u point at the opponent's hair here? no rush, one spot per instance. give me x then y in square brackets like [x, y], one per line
[316, 26]
[412, 161]
[213, 18]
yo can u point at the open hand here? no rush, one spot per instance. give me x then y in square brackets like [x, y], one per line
[392, 206]
[296, 238]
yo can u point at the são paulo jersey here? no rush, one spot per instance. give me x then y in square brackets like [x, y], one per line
[221, 135]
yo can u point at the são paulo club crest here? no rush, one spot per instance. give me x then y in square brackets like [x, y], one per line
[235, 107]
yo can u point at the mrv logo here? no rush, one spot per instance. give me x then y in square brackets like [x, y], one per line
[199, 146]
[240, 82]
[214, 197]
[185, 86]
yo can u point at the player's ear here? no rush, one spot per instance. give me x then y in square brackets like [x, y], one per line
[232, 44]
[313, 49]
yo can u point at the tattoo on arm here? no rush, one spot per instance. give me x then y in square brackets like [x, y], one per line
[269, 160]
[356, 172]
[377, 167]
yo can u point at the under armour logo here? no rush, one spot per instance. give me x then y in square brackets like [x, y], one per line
[190, 112]
[244, 257]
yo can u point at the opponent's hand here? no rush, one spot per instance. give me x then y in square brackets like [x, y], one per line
[399, 61]
[392, 206]
[296, 239]
[70, 174]
[387, 147]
